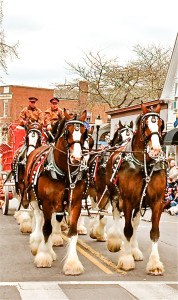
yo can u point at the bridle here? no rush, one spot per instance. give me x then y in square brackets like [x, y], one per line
[143, 120]
[33, 130]
[76, 124]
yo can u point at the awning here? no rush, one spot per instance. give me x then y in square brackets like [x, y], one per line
[171, 138]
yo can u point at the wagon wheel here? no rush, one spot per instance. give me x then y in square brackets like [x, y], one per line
[5, 206]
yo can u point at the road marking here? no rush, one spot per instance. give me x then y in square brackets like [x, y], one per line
[91, 258]
[101, 257]
[108, 282]
[156, 292]
[40, 291]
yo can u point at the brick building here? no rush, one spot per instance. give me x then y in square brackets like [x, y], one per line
[14, 98]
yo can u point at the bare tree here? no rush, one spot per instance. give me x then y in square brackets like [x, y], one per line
[118, 85]
[5, 49]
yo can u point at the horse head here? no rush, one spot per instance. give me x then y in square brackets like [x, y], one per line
[33, 136]
[152, 127]
[123, 134]
[76, 137]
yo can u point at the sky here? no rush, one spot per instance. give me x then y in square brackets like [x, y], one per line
[53, 32]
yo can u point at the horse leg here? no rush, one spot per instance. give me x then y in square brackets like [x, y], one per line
[36, 235]
[137, 254]
[115, 236]
[26, 222]
[72, 264]
[125, 258]
[97, 226]
[155, 266]
[45, 254]
[81, 229]
[56, 232]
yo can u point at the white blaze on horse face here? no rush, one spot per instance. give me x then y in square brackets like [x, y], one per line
[126, 134]
[154, 146]
[33, 138]
[76, 153]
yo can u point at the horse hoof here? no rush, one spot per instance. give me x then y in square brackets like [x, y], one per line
[57, 240]
[137, 254]
[43, 260]
[82, 231]
[125, 261]
[53, 254]
[156, 269]
[26, 227]
[101, 239]
[73, 268]
[92, 235]
[114, 245]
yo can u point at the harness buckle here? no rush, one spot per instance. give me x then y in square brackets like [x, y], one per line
[72, 186]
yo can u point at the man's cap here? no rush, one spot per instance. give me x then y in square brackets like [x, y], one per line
[54, 100]
[33, 99]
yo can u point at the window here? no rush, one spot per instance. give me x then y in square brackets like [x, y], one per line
[5, 108]
[89, 117]
[6, 89]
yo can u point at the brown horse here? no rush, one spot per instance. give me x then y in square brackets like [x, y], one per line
[33, 140]
[98, 191]
[55, 179]
[139, 181]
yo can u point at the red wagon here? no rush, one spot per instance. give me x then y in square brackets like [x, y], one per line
[16, 136]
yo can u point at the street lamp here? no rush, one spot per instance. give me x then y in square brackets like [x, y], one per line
[98, 123]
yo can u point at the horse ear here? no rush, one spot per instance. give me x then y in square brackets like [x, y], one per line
[144, 108]
[83, 117]
[120, 124]
[158, 108]
[91, 130]
[131, 124]
[66, 114]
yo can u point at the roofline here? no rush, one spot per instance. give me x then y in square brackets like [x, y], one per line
[134, 107]
[24, 86]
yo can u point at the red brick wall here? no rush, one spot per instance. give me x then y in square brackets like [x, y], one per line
[20, 95]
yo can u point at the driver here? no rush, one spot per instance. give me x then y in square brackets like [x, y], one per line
[31, 113]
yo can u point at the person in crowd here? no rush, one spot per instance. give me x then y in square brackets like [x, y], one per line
[51, 115]
[31, 113]
[173, 173]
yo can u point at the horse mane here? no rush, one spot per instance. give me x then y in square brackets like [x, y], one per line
[137, 122]
[114, 138]
[59, 128]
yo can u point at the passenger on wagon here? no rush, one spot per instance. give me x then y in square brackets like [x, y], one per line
[52, 113]
[31, 113]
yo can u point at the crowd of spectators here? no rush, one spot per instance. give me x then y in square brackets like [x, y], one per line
[171, 196]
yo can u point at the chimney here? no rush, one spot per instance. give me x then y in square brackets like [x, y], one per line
[83, 93]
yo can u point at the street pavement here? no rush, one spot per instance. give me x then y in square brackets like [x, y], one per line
[20, 279]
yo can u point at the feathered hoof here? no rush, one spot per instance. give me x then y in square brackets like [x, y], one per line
[64, 225]
[82, 230]
[102, 238]
[53, 254]
[57, 240]
[73, 268]
[125, 261]
[92, 235]
[34, 247]
[43, 260]
[155, 267]
[114, 245]
[17, 215]
[26, 227]
[137, 254]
